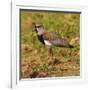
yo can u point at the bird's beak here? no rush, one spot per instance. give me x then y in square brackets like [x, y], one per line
[34, 30]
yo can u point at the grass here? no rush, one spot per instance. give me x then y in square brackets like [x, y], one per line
[35, 61]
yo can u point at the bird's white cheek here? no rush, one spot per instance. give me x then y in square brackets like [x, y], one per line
[47, 43]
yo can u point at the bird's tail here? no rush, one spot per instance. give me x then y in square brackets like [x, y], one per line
[70, 46]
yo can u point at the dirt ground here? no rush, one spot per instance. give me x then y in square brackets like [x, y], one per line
[59, 69]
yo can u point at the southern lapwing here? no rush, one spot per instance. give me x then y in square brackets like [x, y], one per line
[49, 38]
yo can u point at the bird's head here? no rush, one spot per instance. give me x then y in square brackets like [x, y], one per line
[38, 28]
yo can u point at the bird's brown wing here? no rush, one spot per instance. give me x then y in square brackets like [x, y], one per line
[55, 39]
[49, 36]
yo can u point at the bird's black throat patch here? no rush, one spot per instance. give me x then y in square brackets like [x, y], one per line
[40, 37]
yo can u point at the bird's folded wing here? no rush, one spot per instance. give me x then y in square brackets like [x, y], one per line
[60, 42]
[50, 36]
[55, 40]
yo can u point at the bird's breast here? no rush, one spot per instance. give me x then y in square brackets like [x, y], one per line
[40, 37]
[42, 40]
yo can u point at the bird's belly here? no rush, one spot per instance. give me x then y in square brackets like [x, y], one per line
[47, 43]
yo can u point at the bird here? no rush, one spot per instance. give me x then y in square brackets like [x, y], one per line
[49, 38]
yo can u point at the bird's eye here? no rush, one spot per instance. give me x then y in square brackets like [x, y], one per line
[37, 26]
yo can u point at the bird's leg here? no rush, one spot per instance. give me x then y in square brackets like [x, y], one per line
[50, 52]
[50, 55]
